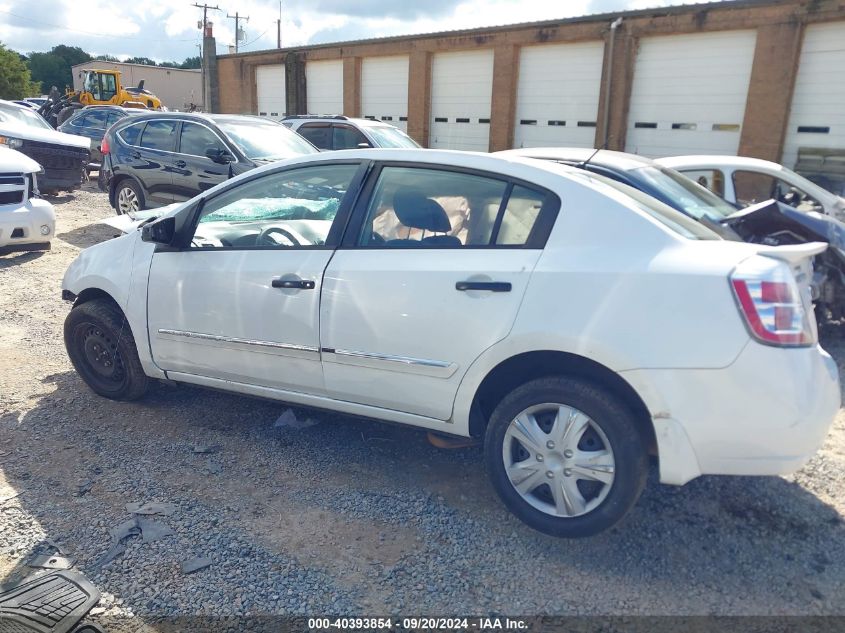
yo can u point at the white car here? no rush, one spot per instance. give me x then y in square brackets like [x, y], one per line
[745, 181]
[336, 132]
[27, 223]
[575, 328]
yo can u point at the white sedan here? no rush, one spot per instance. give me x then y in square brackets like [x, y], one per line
[745, 181]
[575, 328]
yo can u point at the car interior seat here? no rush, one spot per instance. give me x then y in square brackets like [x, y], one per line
[415, 211]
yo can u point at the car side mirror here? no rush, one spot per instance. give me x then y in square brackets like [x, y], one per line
[219, 156]
[160, 232]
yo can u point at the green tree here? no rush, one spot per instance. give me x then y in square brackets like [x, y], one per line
[191, 62]
[15, 81]
[146, 61]
[107, 58]
[169, 65]
[54, 68]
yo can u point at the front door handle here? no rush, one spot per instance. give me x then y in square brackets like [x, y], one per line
[492, 286]
[180, 164]
[297, 284]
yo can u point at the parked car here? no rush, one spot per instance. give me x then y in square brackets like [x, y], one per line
[769, 222]
[63, 156]
[37, 102]
[26, 103]
[746, 181]
[92, 123]
[159, 158]
[342, 132]
[576, 329]
[27, 223]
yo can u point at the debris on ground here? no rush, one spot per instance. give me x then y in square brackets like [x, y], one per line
[152, 507]
[288, 420]
[46, 561]
[152, 530]
[195, 564]
[203, 449]
[148, 529]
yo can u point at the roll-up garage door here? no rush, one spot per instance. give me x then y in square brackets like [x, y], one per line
[817, 119]
[324, 88]
[461, 89]
[384, 89]
[558, 95]
[689, 93]
[270, 86]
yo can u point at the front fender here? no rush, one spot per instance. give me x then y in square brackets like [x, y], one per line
[119, 267]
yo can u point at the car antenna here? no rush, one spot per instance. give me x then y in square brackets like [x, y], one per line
[584, 163]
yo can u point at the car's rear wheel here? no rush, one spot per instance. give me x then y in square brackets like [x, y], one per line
[102, 349]
[128, 197]
[565, 456]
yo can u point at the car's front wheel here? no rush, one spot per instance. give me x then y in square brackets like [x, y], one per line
[565, 456]
[102, 349]
[128, 197]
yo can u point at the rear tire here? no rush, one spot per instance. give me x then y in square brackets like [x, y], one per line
[102, 349]
[565, 456]
[128, 197]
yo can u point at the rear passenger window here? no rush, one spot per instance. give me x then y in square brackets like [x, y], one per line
[130, 134]
[432, 208]
[320, 134]
[159, 135]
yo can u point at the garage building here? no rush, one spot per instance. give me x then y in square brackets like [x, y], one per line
[762, 78]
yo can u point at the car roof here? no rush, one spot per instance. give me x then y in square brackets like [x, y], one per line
[704, 161]
[607, 158]
[201, 117]
[338, 118]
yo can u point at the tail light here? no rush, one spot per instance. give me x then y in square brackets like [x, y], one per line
[775, 310]
[104, 145]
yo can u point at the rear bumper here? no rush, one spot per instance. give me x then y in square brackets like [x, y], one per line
[765, 414]
[24, 222]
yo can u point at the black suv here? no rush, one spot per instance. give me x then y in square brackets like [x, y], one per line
[164, 157]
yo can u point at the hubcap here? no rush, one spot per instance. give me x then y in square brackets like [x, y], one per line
[102, 355]
[558, 460]
[127, 201]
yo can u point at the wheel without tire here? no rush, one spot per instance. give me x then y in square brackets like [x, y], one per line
[128, 197]
[565, 456]
[102, 350]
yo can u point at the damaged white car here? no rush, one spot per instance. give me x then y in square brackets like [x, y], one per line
[573, 327]
[27, 223]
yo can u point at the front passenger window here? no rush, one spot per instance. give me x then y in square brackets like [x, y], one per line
[290, 209]
[198, 140]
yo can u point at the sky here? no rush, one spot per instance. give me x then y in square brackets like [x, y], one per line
[167, 30]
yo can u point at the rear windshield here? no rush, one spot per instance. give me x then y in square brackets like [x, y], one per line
[663, 213]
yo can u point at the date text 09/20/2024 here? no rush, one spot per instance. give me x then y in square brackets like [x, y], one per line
[417, 624]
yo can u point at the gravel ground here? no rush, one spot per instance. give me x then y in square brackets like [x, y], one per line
[350, 516]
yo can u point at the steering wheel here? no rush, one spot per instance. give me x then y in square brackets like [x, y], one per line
[264, 236]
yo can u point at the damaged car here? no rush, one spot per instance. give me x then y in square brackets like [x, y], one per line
[64, 157]
[572, 328]
[770, 222]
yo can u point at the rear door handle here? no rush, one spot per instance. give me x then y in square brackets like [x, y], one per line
[180, 163]
[298, 284]
[136, 154]
[492, 286]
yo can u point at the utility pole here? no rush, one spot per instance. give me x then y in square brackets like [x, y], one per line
[206, 32]
[237, 18]
[279, 28]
